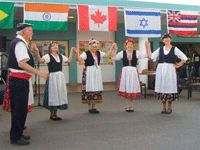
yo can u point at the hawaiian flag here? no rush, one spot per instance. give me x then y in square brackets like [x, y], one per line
[182, 22]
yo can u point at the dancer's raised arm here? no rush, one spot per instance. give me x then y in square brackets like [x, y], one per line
[35, 48]
[148, 49]
[114, 46]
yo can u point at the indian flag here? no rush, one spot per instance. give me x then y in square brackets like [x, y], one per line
[46, 16]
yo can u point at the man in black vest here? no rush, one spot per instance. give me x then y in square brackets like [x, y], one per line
[20, 63]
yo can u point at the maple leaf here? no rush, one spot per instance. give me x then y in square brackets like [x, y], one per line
[98, 18]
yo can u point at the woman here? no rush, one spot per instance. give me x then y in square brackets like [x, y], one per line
[92, 79]
[166, 80]
[55, 96]
[129, 82]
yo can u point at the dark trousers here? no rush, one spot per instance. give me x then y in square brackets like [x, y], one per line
[19, 90]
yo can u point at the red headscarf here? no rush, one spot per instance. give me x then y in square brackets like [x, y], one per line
[129, 40]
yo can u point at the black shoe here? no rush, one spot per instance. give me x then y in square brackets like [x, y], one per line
[21, 141]
[93, 111]
[129, 109]
[96, 111]
[26, 137]
[58, 118]
[24, 128]
[55, 118]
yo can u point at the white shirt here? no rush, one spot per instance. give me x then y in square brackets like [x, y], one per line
[139, 54]
[21, 53]
[47, 58]
[177, 52]
[84, 56]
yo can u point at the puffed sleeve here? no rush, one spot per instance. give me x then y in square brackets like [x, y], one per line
[83, 56]
[180, 54]
[119, 56]
[46, 58]
[140, 54]
[155, 54]
[65, 59]
[21, 52]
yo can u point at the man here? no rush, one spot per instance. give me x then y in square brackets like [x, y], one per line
[20, 63]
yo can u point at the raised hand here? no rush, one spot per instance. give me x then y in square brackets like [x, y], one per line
[74, 49]
[147, 44]
[148, 49]
[34, 47]
[114, 46]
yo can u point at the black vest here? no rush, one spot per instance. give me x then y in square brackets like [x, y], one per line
[169, 58]
[12, 61]
[53, 65]
[133, 61]
[90, 60]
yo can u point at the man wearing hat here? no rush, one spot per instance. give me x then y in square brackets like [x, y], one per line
[20, 63]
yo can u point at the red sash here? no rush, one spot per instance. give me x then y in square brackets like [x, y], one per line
[6, 101]
[20, 75]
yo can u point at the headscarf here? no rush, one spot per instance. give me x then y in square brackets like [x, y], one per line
[93, 42]
[129, 40]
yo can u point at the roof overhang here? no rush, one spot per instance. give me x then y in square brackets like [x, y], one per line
[193, 5]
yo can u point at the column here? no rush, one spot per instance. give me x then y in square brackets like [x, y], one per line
[143, 63]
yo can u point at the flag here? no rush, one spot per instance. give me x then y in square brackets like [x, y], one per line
[6, 15]
[142, 23]
[182, 22]
[97, 18]
[46, 16]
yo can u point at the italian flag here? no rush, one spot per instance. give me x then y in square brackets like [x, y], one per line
[46, 16]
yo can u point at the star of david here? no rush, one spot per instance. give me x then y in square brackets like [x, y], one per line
[143, 23]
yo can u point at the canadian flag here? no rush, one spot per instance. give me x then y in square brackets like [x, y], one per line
[97, 18]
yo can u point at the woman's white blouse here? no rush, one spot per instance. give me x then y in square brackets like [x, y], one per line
[47, 58]
[177, 52]
[139, 54]
[84, 56]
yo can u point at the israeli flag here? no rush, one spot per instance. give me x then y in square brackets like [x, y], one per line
[142, 23]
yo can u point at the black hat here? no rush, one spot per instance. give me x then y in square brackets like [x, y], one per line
[21, 26]
[166, 35]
